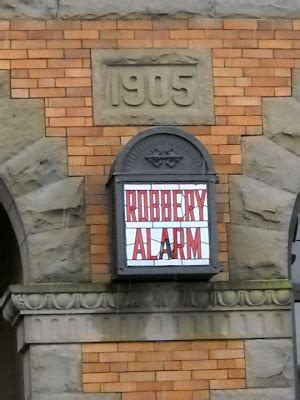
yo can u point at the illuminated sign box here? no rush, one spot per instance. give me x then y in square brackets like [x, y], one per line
[164, 214]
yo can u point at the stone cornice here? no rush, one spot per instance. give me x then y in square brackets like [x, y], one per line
[46, 299]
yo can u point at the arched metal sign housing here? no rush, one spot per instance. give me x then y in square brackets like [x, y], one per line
[164, 208]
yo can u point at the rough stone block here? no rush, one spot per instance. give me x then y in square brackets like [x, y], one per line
[54, 206]
[269, 363]
[256, 253]
[282, 122]
[93, 9]
[22, 121]
[28, 9]
[42, 163]
[268, 162]
[257, 9]
[150, 87]
[55, 369]
[254, 203]
[254, 394]
[60, 255]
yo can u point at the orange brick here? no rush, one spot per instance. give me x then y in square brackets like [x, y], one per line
[259, 91]
[221, 34]
[224, 82]
[240, 363]
[224, 364]
[229, 91]
[115, 366]
[176, 395]
[27, 25]
[42, 35]
[276, 44]
[23, 83]
[60, 132]
[136, 346]
[64, 44]
[274, 81]
[275, 24]
[190, 355]
[236, 373]
[205, 24]
[227, 53]
[100, 348]
[137, 376]
[154, 356]
[91, 387]
[46, 73]
[286, 53]
[228, 384]
[255, 34]
[117, 357]
[258, 53]
[169, 24]
[209, 374]
[154, 386]
[209, 344]
[139, 396]
[240, 24]
[134, 24]
[77, 53]
[90, 357]
[150, 35]
[241, 62]
[186, 34]
[24, 64]
[13, 54]
[235, 344]
[241, 43]
[100, 377]
[117, 34]
[79, 91]
[100, 43]
[81, 34]
[225, 354]
[244, 120]
[118, 387]
[172, 365]
[172, 346]
[173, 375]
[95, 367]
[205, 43]
[102, 24]
[142, 366]
[45, 54]
[73, 82]
[191, 385]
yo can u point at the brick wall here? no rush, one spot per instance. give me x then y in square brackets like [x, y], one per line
[185, 370]
[51, 60]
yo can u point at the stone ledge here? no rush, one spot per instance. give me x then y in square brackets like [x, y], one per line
[126, 9]
[147, 298]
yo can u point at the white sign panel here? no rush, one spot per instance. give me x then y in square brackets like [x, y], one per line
[166, 224]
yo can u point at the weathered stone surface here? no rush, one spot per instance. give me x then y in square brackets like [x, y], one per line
[54, 206]
[40, 164]
[81, 396]
[60, 255]
[116, 104]
[257, 9]
[254, 394]
[28, 9]
[55, 368]
[282, 122]
[254, 203]
[296, 83]
[268, 162]
[256, 253]
[269, 363]
[133, 8]
[22, 121]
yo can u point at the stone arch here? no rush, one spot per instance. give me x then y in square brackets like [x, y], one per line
[263, 199]
[33, 170]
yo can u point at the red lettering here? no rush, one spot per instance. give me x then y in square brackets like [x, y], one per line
[189, 205]
[200, 201]
[165, 247]
[131, 205]
[178, 243]
[142, 206]
[176, 205]
[193, 244]
[154, 205]
[149, 255]
[166, 205]
[139, 245]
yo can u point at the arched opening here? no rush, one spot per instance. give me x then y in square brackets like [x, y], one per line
[11, 381]
[294, 250]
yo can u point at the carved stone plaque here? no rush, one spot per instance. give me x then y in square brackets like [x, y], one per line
[150, 87]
